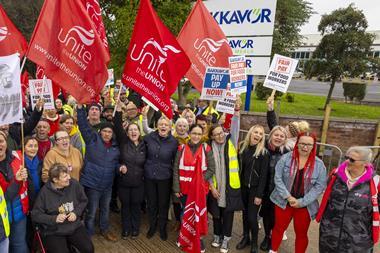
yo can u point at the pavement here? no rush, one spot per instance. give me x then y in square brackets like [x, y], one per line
[322, 88]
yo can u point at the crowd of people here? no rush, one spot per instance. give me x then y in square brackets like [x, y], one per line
[80, 160]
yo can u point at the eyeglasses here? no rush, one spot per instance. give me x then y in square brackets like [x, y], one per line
[63, 138]
[307, 145]
[352, 160]
[218, 134]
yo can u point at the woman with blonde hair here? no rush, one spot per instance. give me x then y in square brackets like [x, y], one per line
[189, 116]
[254, 160]
[180, 131]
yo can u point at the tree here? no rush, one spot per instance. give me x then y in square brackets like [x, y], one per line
[344, 47]
[291, 15]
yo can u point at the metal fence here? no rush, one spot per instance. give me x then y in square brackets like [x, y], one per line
[332, 155]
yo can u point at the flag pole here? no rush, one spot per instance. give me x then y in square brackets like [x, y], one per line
[117, 100]
[23, 64]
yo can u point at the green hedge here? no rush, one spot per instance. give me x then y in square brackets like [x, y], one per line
[263, 93]
[355, 91]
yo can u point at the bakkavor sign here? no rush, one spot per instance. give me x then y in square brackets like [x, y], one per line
[248, 25]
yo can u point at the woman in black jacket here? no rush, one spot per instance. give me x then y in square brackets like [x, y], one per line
[131, 175]
[254, 160]
[276, 146]
[58, 210]
[161, 149]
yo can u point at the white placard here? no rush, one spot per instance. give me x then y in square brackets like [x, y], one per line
[227, 104]
[238, 76]
[111, 78]
[41, 88]
[280, 73]
[10, 90]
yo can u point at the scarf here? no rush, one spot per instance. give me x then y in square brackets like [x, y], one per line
[374, 190]
[32, 166]
[220, 171]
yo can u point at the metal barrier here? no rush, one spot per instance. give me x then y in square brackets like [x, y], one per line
[375, 157]
[332, 155]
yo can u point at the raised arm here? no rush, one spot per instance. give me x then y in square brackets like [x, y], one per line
[85, 129]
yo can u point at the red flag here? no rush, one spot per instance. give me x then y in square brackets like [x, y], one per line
[95, 13]
[65, 45]
[40, 73]
[155, 61]
[11, 40]
[24, 87]
[194, 220]
[204, 42]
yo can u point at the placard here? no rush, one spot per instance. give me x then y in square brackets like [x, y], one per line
[40, 88]
[215, 83]
[280, 73]
[238, 76]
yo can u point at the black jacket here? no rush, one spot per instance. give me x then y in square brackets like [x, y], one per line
[161, 152]
[130, 155]
[254, 171]
[29, 125]
[48, 203]
[271, 119]
[346, 225]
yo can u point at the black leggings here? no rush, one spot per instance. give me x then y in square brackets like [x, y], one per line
[60, 244]
[250, 223]
[131, 199]
[267, 212]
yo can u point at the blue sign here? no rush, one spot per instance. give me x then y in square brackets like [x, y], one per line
[215, 83]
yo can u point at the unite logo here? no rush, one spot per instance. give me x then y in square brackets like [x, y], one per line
[76, 40]
[251, 16]
[153, 57]
[3, 33]
[206, 50]
[94, 11]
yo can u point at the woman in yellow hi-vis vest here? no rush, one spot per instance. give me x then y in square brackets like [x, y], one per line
[4, 225]
[225, 197]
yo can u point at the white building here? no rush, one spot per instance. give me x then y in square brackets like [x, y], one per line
[311, 41]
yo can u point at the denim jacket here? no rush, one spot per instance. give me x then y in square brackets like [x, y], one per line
[283, 185]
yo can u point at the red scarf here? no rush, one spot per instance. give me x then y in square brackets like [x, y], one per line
[374, 189]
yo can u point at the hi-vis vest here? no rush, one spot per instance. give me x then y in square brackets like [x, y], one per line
[233, 168]
[187, 165]
[206, 113]
[23, 191]
[4, 213]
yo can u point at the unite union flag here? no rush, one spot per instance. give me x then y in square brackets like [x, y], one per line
[11, 40]
[205, 44]
[155, 61]
[66, 44]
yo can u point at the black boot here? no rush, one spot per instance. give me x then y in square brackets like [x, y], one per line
[245, 241]
[254, 248]
[152, 230]
[266, 244]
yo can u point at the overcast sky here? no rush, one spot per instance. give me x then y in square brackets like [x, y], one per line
[371, 9]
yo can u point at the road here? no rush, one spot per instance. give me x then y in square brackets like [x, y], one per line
[322, 88]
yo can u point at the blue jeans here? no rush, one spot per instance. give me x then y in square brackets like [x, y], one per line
[17, 238]
[97, 199]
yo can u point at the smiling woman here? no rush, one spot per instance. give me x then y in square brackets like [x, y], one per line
[351, 187]
[63, 152]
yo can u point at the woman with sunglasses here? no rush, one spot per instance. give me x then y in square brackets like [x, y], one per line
[349, 212]
[300, 177]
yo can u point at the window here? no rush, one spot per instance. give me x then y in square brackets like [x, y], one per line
[302, 55]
